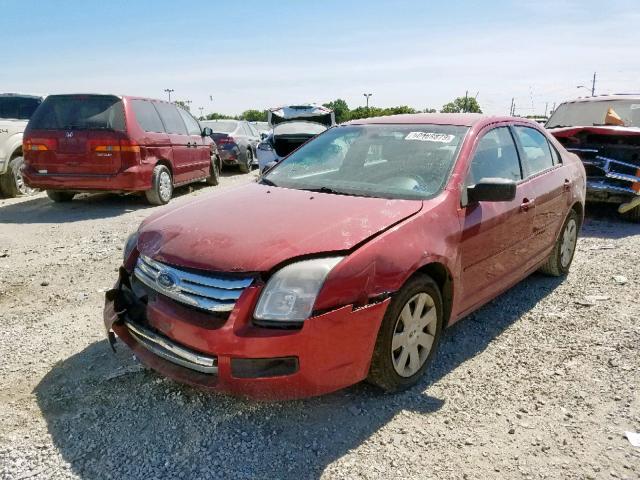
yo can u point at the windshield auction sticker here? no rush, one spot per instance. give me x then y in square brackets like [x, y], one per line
[430, 137]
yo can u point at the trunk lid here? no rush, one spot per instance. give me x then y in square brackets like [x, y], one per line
[280, 225]
[310, 113]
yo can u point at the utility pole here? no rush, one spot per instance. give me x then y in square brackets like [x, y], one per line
[367, 95]
[512, 110]
[169, 90]
[466, 95]
[201, 110]
[593, 85]
[546, 107]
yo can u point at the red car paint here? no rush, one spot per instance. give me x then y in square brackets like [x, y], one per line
[474, 253]
[49, 166]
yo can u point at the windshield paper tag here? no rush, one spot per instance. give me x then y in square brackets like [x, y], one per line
[430, 137]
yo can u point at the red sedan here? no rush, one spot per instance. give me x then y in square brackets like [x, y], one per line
[358, 249]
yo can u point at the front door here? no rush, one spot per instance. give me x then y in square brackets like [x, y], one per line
[495, 235]
[180, 140]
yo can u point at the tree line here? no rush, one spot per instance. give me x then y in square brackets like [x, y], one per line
[343, 113]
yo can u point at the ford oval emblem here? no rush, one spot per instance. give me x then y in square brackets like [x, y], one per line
[166, 280]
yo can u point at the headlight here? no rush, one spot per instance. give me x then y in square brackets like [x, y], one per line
[130, 244]
[291, 292]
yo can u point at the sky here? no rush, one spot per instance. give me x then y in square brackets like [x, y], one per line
[232, 56]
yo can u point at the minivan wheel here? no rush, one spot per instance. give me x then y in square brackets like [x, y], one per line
[246, 168]
[12, 182]
[161, 189]
[60, 197]
[561, 256]
[214, 172]
[408, 336]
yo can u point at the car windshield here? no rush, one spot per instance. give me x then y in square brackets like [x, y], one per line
[222, 127]
[386, 161]
[18, 108]
[598, 112]
[79, 112]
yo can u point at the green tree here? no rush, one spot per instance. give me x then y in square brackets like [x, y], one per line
[183, 105]
[254, 115]
[429, 110]
[340, 109]
[218, 116]
[462, 104]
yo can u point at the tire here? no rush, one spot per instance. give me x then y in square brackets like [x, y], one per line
[389, 370]
[632, 215]
[214, 172]
[12, 183]
[559, 261]
[161, 189]
[60, 197]
[246, 167]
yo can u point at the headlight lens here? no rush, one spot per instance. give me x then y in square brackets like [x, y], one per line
[130, 244]
[291, 292]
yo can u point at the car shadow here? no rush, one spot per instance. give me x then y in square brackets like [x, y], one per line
[41, 209]
[109, 417]
[602, 220]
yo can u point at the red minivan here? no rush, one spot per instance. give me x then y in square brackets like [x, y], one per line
[96, 143]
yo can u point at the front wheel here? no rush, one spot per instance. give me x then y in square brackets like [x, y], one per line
[561, 256]
[408, 336]
[161, 189]
[12, 182]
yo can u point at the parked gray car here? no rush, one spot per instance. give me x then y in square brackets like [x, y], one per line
[236, 140]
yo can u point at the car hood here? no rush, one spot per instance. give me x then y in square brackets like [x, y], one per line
[254, 228]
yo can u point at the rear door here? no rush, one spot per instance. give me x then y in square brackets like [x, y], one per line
[81, 133]
[200, 150]
[179, 138]
[549, 180]
[495, 240]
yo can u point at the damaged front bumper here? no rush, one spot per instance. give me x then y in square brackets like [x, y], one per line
[331, 351]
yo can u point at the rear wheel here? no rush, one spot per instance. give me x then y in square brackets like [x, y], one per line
[12, 182]
[60, 197]
[408, 336]
[561, 256]
[214, 172]
[161, 189]
[246, 167]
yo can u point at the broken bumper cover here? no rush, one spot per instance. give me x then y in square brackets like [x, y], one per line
[331, 351]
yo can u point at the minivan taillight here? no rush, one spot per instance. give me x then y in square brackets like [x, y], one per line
[39, 144]
[111, 145]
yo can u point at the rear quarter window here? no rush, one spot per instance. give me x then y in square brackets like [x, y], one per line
[193, 127]
[172, 120]
[147, 116]
[82, 112]
[537, 150]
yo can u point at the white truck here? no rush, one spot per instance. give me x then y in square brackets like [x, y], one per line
[15, 112]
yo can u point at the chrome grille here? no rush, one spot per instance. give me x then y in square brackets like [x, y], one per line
[207, 292]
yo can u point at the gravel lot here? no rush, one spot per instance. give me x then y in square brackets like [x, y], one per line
[541, 383]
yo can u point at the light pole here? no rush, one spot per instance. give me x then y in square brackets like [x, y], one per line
[367, 95]
[169, 90]
[201, 110]
[593, 85]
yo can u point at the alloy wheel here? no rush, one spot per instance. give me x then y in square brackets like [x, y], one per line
[165, 186]
[414, 334]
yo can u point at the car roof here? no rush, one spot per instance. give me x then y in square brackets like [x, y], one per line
[460, 119]
[606, 98]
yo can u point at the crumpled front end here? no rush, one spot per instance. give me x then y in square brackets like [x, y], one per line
[611, 157]
[222, 349]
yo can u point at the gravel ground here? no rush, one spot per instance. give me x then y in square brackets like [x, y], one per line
[541, 383]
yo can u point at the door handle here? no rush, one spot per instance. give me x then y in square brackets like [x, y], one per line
[566, 186]
[526, 205]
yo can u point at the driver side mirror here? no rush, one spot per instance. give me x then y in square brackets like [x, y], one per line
[263, 135]
[207, 132]
[490, 190]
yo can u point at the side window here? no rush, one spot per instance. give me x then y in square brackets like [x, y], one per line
[193, 127]
[537, 150]
[557, 159]
[147, 116]
[254, 132]
[496, 157]
[171, 118]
